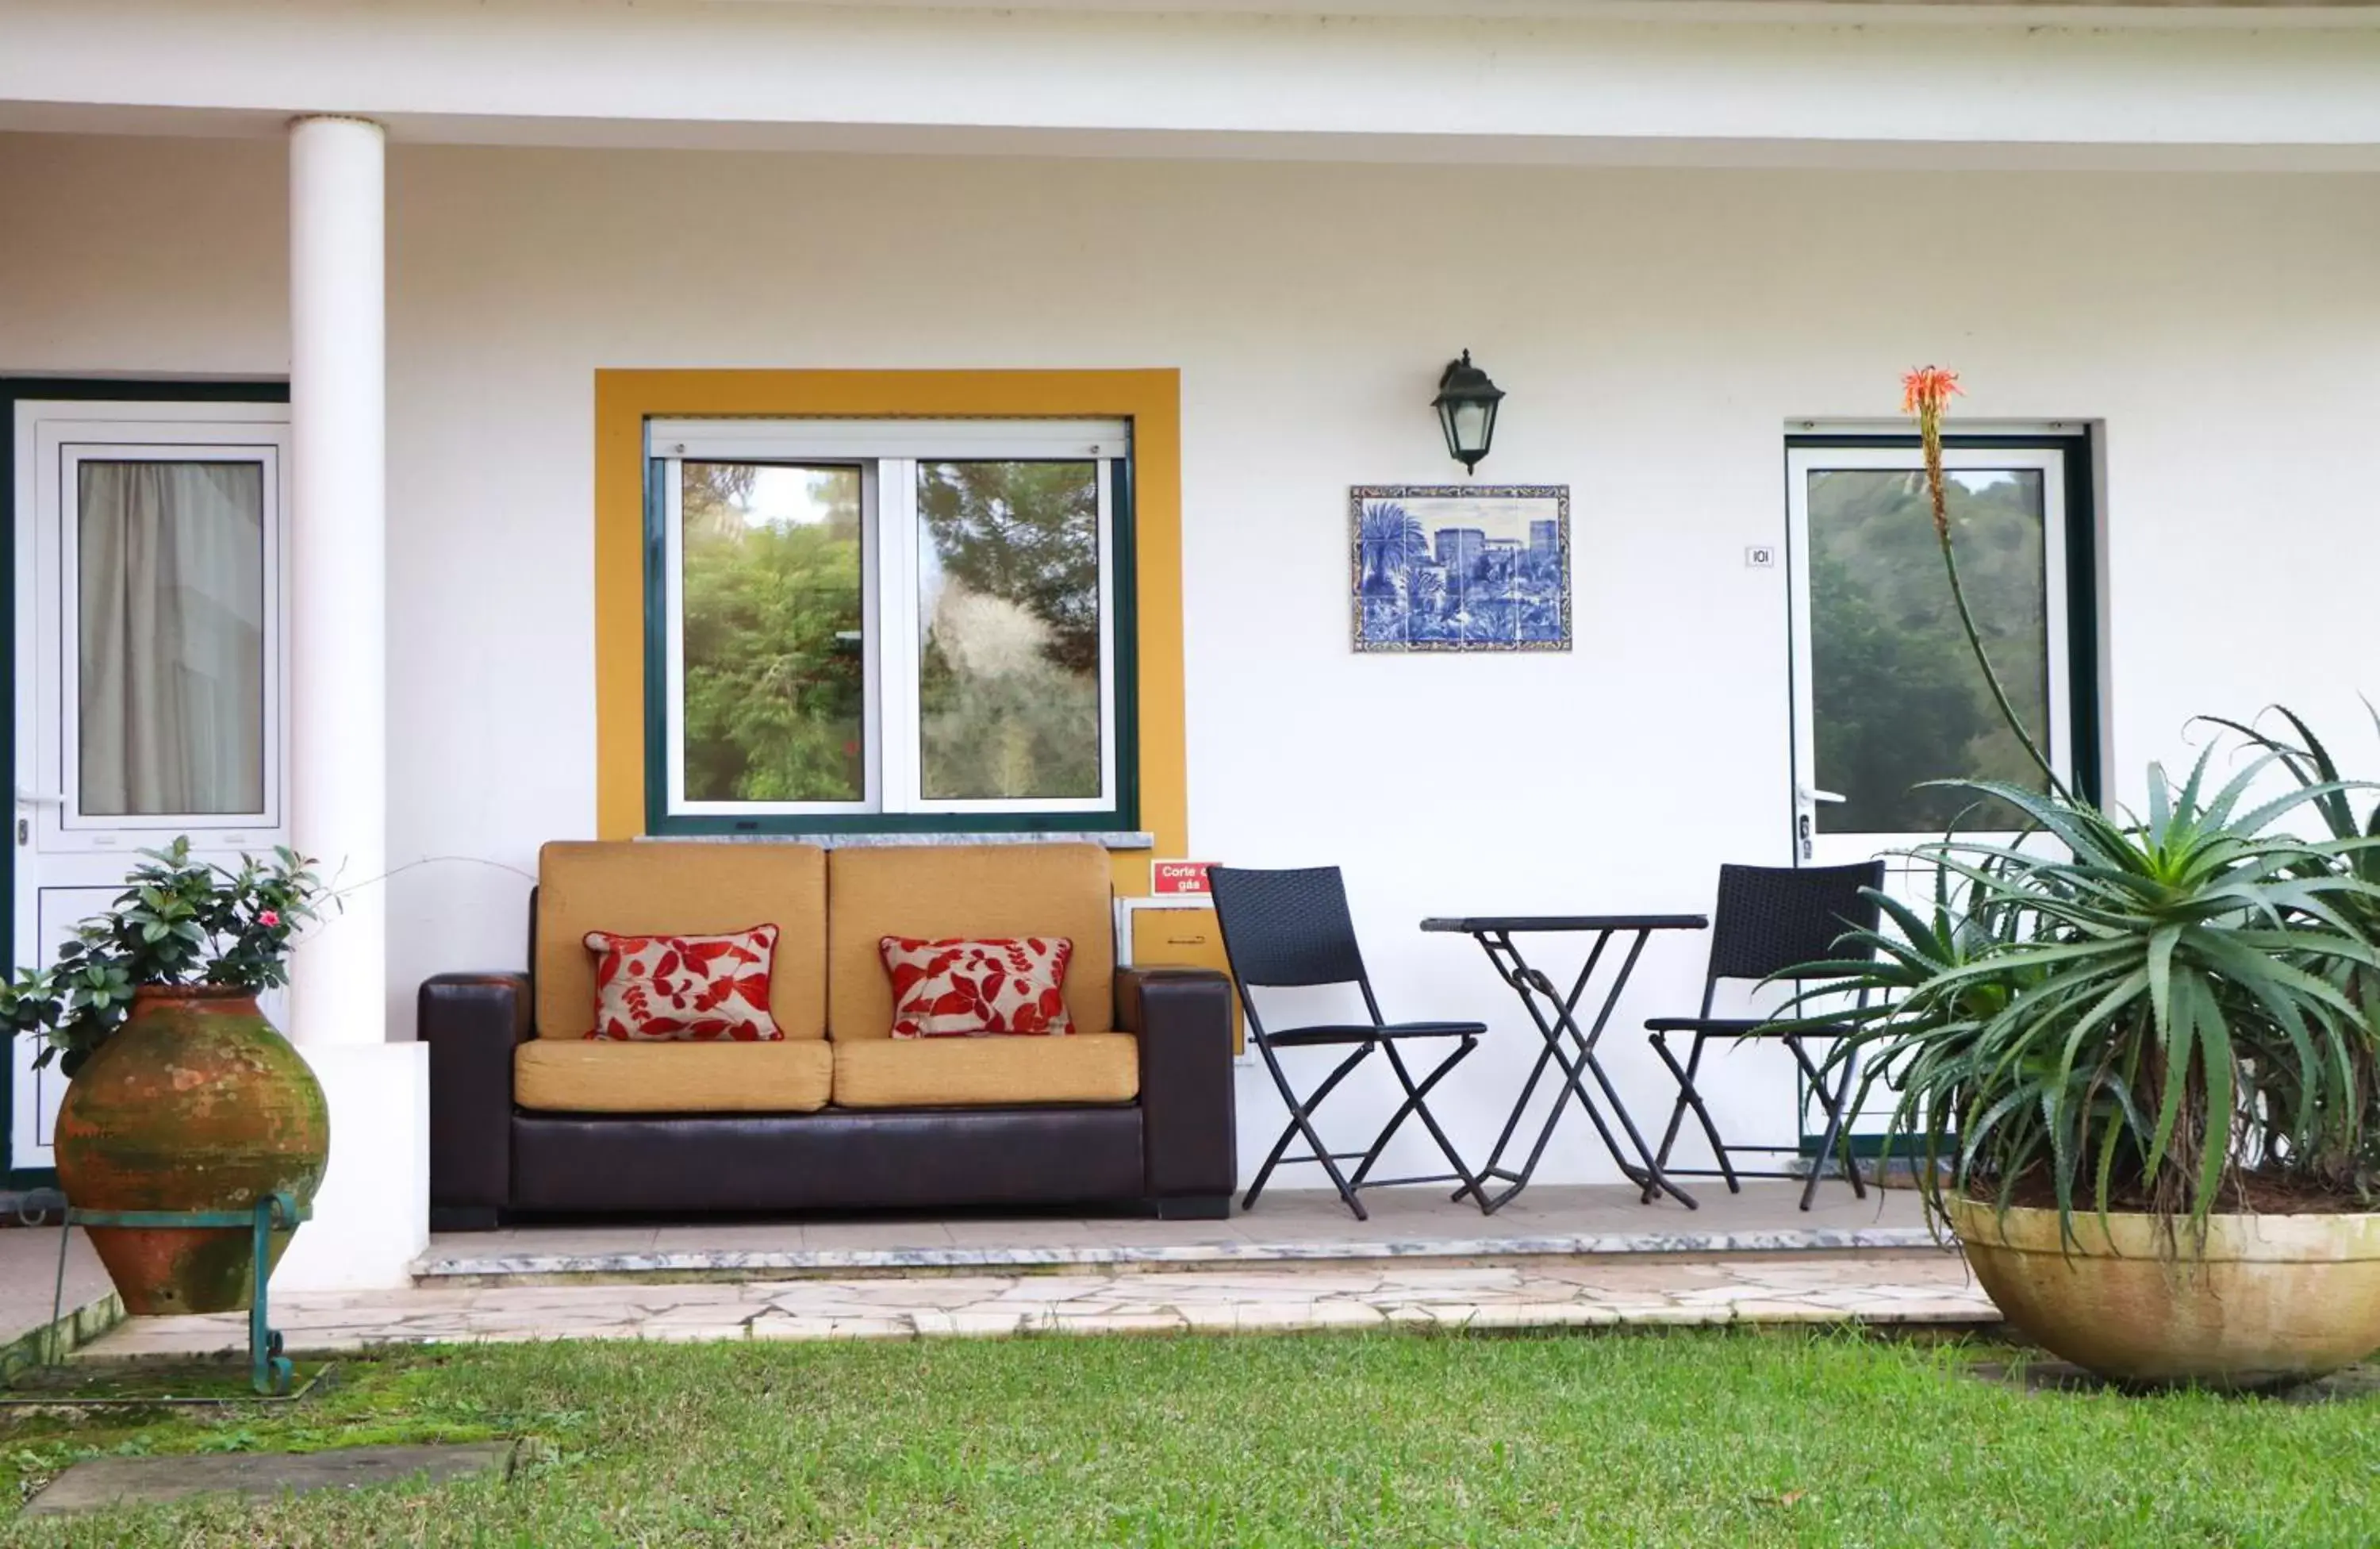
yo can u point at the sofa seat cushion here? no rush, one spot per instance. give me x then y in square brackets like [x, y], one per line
[986, 1072]
[598, 1077]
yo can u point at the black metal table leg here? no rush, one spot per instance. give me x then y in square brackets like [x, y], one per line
[1570, 1048]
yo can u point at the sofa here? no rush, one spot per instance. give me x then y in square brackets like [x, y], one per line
[531, 1118]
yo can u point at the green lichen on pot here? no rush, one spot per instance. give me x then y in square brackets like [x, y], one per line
[195, 1104]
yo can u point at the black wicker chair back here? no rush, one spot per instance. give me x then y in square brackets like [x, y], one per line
[1285, 929]
[1771, 919]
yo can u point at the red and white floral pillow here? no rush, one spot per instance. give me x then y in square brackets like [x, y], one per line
[684, 988]
[978, 989]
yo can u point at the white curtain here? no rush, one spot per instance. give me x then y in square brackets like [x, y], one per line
[170, 566]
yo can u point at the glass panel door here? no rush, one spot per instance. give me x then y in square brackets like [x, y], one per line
[1886, 693]
[150, 688]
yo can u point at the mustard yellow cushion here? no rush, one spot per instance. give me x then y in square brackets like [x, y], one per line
[985, 1072]
[679, 889]
[557, 1076]
[942, 891]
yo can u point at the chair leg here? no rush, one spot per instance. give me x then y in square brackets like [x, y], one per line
[1690, 1097]
[1396, 1120]
[1301, 1123]
[1414, 1104]
[1677, 1109]
[1834, 1106]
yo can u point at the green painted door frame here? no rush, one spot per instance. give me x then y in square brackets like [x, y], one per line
[13, 391]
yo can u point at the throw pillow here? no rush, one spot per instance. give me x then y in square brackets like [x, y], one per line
[978, 989]
[685, 989]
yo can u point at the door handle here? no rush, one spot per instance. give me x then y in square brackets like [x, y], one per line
[1807, 798]
[35, 799]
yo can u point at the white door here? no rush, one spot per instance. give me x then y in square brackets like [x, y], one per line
[151, 694]
[1886, 694]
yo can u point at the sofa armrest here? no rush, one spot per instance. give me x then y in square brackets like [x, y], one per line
[471, 1021]
[1182, 1017]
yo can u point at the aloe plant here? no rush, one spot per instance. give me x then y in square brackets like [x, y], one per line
[2132, 1015]
[2131, 1012]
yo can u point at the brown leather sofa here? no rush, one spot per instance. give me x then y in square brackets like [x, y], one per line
[528, 1117]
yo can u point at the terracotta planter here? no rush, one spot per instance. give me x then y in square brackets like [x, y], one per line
[2269, 1299]
[195, 1104]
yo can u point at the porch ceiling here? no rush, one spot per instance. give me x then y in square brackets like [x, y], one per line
[1754, 83]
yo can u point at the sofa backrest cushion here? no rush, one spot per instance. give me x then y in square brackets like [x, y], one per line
[688, 889]
[940, 891]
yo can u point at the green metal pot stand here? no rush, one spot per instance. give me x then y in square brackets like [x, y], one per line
[270, 1371]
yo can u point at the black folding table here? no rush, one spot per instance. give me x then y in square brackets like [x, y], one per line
[1556, 1017]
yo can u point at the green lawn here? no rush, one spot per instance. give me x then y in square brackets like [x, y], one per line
[1713, 1437]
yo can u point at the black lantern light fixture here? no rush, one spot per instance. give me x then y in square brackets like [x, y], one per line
[1467, 410]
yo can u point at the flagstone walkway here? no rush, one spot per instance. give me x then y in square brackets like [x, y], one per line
[1291, 1225]
[1929, 1286]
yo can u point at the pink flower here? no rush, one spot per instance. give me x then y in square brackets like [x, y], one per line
[268, 918]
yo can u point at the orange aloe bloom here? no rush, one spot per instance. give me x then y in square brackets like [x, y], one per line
[1923, 392]
[1928, 390]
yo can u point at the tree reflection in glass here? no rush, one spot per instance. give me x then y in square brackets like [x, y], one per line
[775, 664]
[1897, 696]
[1008, 619]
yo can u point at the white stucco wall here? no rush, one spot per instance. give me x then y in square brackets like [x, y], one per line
[1655, 329]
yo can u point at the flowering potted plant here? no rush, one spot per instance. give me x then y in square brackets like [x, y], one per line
[2135, 1055]
[181, 1095]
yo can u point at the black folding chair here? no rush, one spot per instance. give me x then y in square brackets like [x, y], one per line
[1286, 928]
[1770, 920]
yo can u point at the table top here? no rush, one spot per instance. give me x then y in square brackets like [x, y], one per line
[1474, 925]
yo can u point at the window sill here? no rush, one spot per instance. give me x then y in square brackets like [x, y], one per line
[1114, 839]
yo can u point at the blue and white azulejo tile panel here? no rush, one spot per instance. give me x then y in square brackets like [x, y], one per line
[1460, 566]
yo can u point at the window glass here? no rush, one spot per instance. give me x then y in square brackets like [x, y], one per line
[774, 620]
[1008, 623]
[170, 608]
[1898, 699]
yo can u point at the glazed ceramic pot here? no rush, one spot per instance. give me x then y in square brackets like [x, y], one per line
[195, 1104]
[2265, 1301]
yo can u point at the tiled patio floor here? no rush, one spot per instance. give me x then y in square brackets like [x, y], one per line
[1910, 1286]
[1556, 1258]
[1286, 1226]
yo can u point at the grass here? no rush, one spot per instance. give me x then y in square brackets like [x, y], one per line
[1377, 1440]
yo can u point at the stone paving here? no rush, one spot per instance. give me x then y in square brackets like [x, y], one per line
[1288, 1226]
[1912, 1286]
[96, 1483]
[29, 1284]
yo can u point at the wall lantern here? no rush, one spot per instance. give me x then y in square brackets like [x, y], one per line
[1467, 409]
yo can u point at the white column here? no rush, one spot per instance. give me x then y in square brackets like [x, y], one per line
[338, 572]
[371, 1215]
